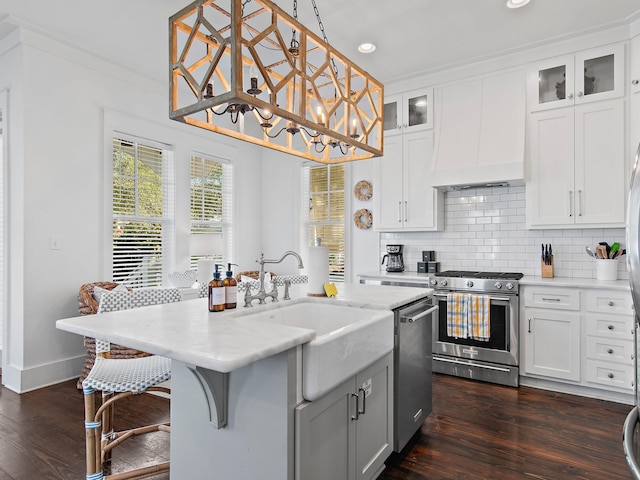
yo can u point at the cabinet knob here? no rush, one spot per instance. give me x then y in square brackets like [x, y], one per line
[610, 375]
[610, 327]
[610, 303]
[610, 351]
[580, 94]
[570, 96]
[635, 81]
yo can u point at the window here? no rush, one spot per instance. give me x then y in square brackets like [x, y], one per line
[142, 212]
[211, 181]
[324, 213]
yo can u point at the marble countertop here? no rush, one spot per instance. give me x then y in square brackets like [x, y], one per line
[224, 341]
[576, 282]
[409, 277]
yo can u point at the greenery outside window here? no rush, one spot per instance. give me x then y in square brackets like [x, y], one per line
[211, 202]
[324, 213]
[142, 212]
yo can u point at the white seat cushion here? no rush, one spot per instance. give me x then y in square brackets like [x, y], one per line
[131, 374]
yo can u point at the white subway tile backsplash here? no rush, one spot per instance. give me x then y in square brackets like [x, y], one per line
[485, 229]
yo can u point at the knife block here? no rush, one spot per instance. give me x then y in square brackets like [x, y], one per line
[547, 270]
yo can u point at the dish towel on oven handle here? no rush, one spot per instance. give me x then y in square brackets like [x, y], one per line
[479, 323]
[457, 315]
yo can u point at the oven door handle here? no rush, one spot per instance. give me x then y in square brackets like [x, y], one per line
[415, 318]
[497, 299]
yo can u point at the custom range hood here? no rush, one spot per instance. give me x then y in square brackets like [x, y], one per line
[480, 132]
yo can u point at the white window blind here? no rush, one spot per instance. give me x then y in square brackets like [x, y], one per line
[141, 212]
[323, 210]
[211, 201]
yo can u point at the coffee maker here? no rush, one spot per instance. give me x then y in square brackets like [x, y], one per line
[394, 258]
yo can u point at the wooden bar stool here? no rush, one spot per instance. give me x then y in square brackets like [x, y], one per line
[118, 379]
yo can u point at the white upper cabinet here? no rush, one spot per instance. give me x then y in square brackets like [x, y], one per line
[576, 168]
[403, 200]
[634, 98]
[591, 75]
[635, 64]
[408, 112]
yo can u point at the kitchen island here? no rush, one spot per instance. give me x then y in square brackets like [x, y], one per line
[235, 381]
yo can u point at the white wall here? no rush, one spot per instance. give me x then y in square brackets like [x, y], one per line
[280, 209]
[62, 102]
[363, 247]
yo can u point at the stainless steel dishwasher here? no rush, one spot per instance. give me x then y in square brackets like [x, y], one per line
[412, 369]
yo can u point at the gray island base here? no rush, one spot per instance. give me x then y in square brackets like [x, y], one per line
[237, 406]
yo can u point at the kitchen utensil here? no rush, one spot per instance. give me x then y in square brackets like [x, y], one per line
[590, 252]
[601, 251]
[614, 249]
[606, 247]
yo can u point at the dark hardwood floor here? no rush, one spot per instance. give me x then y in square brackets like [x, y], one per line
[476, 431]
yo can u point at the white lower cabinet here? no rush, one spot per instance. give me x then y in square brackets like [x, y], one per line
[578, 336]
[552, 343]
[609, 340]
[348, 433]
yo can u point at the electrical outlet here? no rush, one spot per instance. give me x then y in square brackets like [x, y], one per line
[54, 243]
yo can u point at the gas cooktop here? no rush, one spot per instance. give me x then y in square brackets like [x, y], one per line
[487, 275]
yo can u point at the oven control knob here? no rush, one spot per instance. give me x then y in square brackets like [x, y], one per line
[443, 283]
[469, 283]
[509, 286]
[497, 285]
[434, 281]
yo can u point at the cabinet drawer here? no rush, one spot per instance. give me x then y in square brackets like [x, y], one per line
[610, 326]
[610, 350]
[610, 374]
[556, 298]
[609, 302]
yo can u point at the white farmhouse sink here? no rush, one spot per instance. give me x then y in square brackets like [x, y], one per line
[347, 340]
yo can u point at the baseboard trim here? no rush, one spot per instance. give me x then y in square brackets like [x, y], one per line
[581, 390]
[28, 379]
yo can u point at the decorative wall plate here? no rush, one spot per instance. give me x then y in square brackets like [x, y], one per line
[363, 190]
[363, 218]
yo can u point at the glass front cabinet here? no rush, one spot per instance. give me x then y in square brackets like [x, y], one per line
[591, 75]
[408, 112]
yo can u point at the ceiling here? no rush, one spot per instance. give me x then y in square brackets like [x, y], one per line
[412, 36]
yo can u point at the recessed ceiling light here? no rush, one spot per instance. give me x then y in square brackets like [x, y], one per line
[366, 47]
[517, 3]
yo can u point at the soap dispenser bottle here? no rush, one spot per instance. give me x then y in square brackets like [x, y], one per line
[216, 292]
[230, 289]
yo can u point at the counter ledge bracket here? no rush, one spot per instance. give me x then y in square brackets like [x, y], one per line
[215, 386]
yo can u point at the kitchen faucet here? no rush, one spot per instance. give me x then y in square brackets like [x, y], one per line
[261, 295]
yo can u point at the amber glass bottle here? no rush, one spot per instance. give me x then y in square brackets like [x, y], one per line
[216, 293]
[230, 289]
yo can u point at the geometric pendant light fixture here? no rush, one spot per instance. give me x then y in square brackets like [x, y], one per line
[249, 70]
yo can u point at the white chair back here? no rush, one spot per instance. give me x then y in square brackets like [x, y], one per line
[114, 301]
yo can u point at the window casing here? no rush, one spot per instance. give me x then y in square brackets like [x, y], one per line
[211, 202]
[142, 205]
[323, 213]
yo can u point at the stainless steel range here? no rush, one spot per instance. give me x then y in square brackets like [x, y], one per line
[494, 359]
